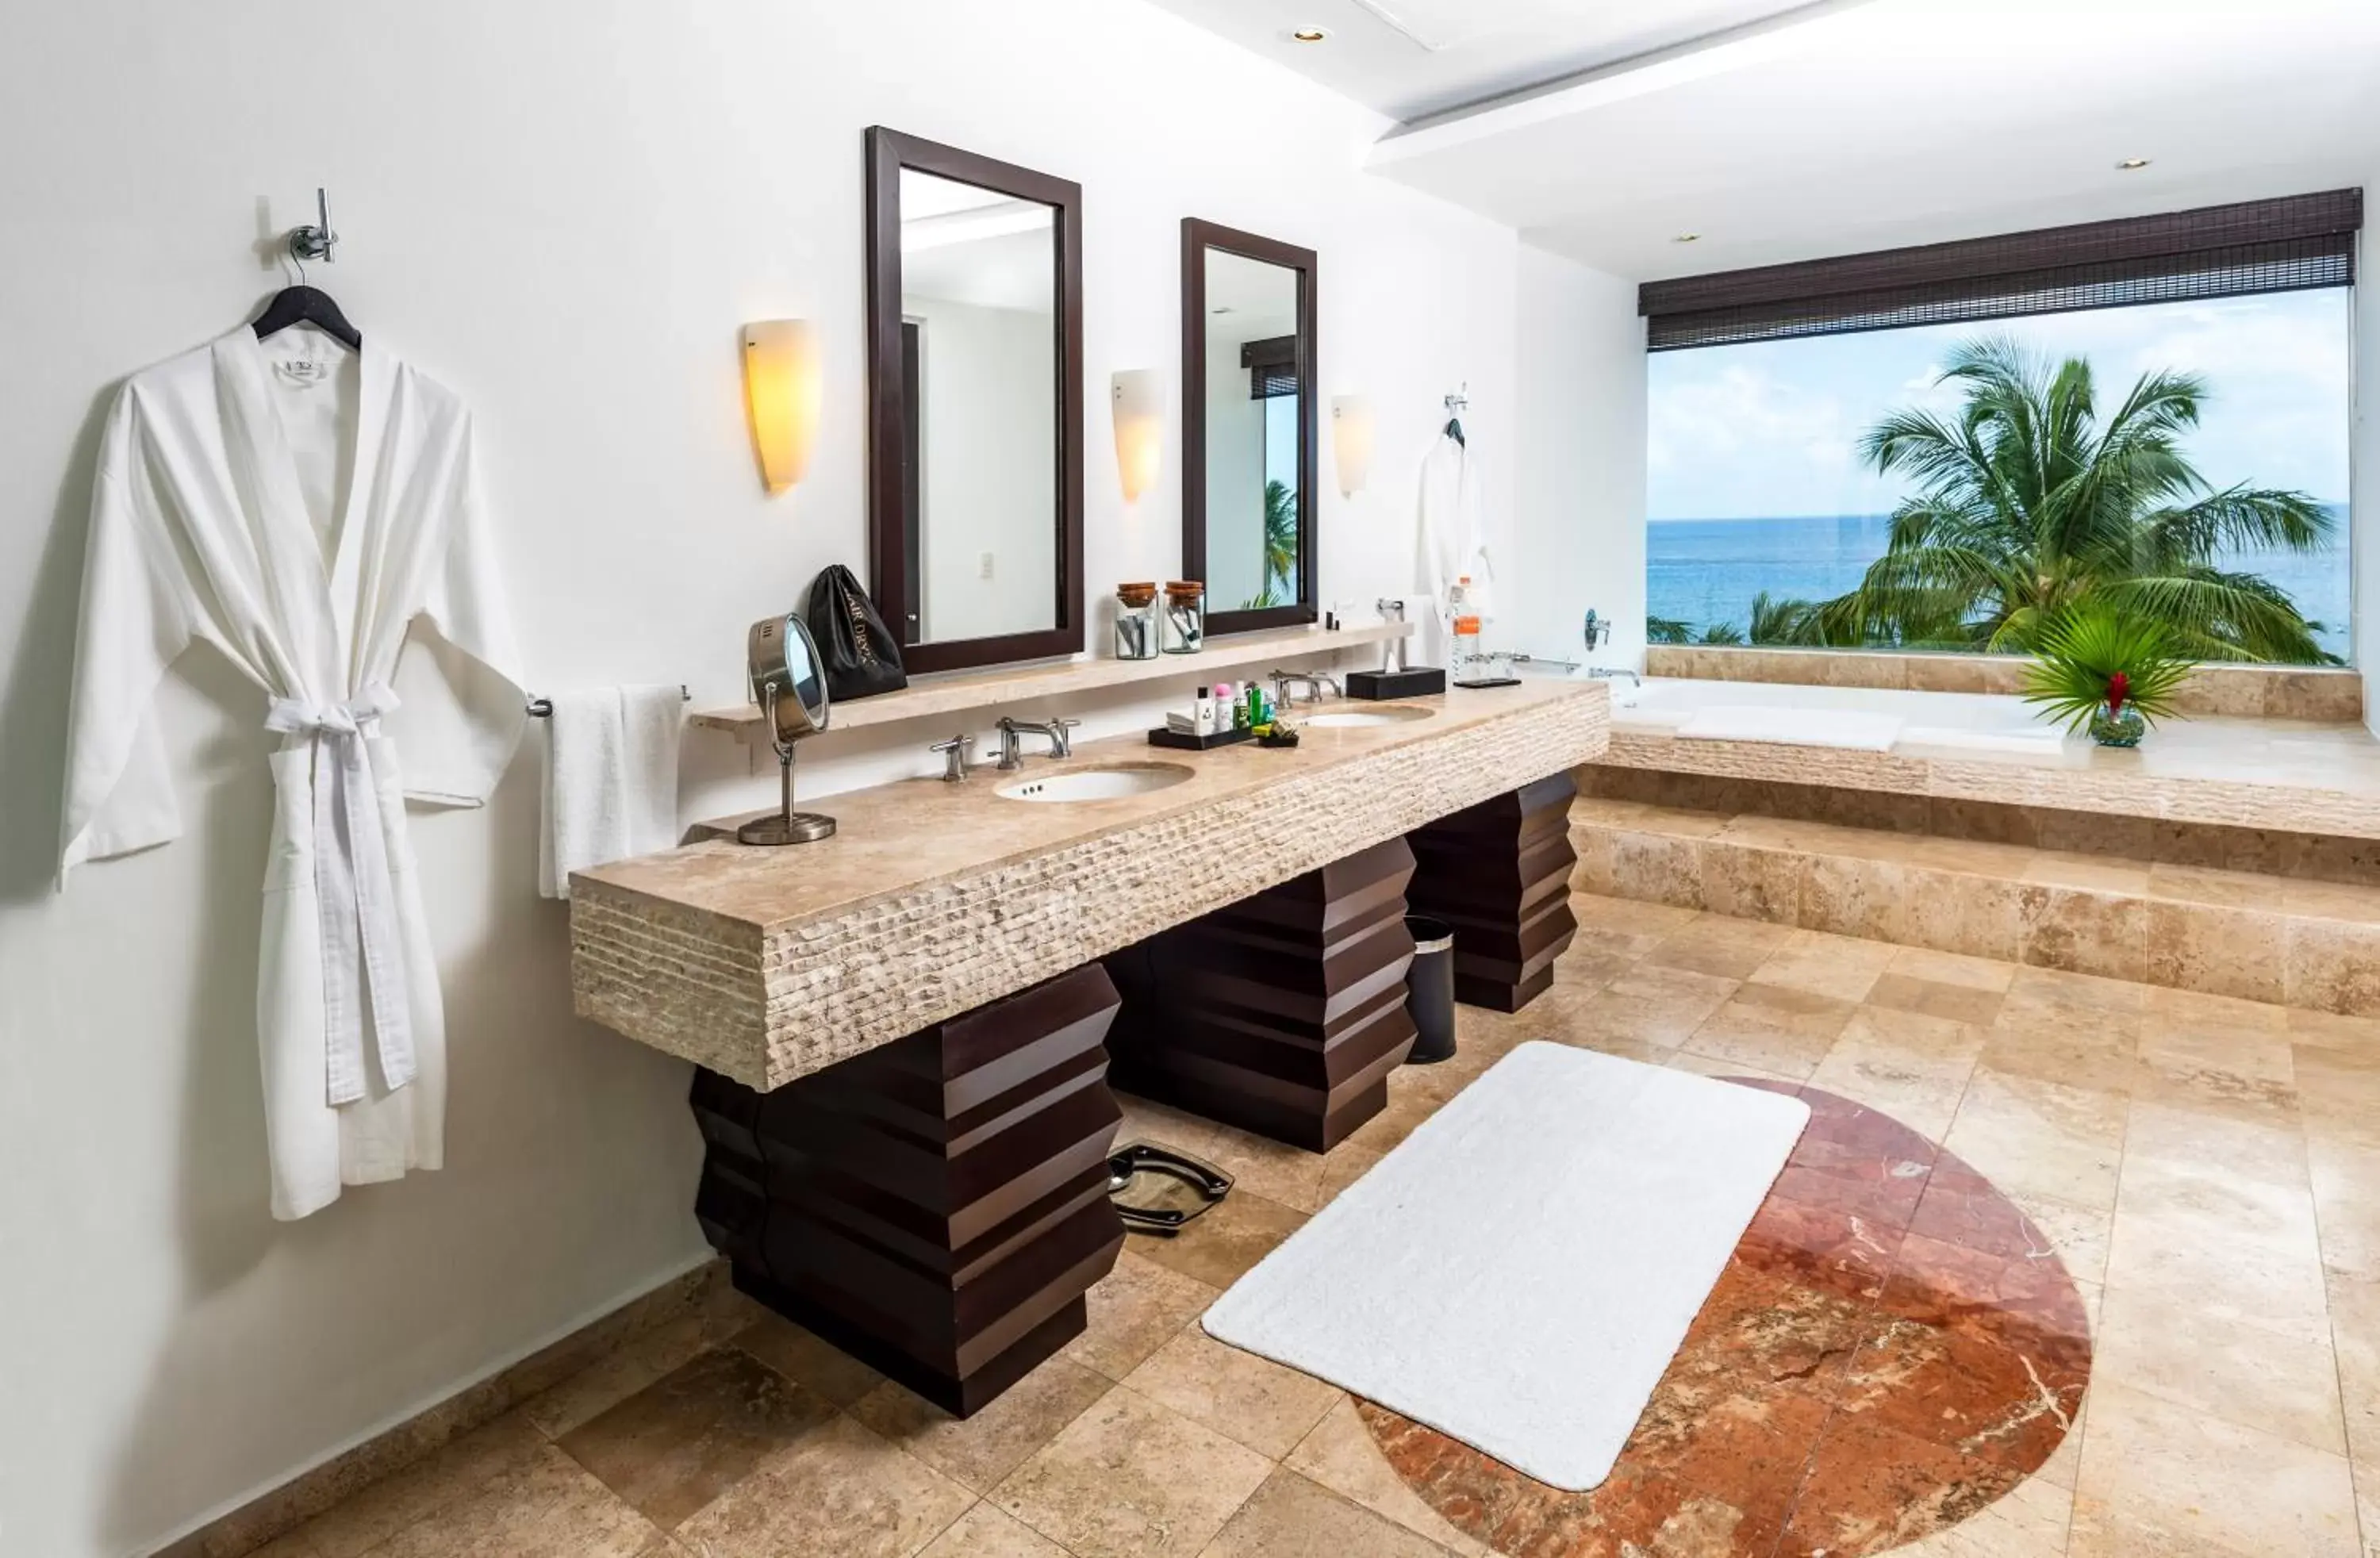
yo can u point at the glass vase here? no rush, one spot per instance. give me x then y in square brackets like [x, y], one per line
[2122, 727]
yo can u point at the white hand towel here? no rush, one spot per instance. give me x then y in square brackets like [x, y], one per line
[611, 779]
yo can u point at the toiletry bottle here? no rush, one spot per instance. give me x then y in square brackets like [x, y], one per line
[1253, 709]
[1224, 693]
[1205, 716]
[1466, 630]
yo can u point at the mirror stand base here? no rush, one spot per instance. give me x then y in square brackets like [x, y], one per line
[786, 827]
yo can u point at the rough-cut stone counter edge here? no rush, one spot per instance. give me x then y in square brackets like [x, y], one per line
[793, 1000]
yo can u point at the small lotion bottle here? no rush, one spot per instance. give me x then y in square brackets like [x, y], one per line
[1204, 715]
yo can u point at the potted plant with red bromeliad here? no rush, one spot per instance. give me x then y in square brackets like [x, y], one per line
[2102, 668]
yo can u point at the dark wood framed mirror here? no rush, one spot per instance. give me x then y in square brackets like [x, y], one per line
[1248, 427]
[975, 404]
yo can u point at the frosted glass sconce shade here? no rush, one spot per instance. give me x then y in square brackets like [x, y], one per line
[1138, 398]
[1351, 442]
[783, 384]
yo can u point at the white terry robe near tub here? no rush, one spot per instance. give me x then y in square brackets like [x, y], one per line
[1453, 539]
[296, 506]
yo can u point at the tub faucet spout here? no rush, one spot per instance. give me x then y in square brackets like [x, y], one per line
[1605, 673]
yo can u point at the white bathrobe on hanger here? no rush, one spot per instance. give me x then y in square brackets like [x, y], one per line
[1452, 542]
[298, 505]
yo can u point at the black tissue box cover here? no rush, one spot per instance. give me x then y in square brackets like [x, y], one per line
[1418, 682]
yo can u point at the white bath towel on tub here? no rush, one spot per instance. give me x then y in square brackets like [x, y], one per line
[611, 779]
[1851, 728]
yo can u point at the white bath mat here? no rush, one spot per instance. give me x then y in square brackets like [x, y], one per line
[1521, 1270]
[1852, 728]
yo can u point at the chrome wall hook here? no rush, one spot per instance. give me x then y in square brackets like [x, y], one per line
[315, 241]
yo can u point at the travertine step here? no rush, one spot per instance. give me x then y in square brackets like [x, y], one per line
[2262, 938]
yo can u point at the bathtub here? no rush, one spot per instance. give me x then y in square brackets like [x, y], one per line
[1873, 719]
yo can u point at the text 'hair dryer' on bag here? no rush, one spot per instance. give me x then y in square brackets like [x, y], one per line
[861, 655]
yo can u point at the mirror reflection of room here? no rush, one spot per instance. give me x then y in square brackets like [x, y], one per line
[1255, 389]
[979, 350]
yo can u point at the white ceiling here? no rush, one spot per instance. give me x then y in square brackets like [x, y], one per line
[1410, 59]
[1864, 123]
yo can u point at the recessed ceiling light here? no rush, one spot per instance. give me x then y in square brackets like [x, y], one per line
[2132, 165]
[1311, 34]
[1687, 237]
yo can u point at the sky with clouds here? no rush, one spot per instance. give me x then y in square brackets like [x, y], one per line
[1773, 427]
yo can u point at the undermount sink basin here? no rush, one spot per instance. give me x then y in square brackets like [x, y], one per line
[1349, 719]
[1097, 784]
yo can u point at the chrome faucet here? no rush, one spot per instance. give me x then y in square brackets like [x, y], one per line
[1012, 749]
[955, 754]
[1314, 686]
[1599, 633]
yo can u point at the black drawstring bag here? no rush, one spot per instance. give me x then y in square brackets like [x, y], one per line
[862, 656]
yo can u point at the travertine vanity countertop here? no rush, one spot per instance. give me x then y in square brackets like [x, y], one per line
[933, 898]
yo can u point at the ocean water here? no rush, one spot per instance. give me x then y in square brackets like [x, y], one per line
[1707, 570]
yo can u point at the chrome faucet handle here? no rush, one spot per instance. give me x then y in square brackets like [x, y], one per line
[1012, 750]
[1061, 736]
[954, 753]
[1314, 685]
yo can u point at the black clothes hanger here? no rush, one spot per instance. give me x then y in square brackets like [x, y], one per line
[307, 305]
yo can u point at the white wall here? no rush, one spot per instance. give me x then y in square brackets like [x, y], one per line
[1235, 479]
[565, 210]
[989, 418]
[1578, 502]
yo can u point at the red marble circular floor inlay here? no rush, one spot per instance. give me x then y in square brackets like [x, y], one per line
[1893, 1346]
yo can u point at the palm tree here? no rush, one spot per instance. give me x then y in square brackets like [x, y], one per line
[2028, 504]
[1780, 620]
[1279, 533]
[1280, 546]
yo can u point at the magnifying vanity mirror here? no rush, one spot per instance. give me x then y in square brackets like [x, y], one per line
[975, 404]
[1248, 426]
[789, 684]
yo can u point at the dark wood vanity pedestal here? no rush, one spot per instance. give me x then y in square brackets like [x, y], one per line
[937, 1207]
[1499, 873]
[1283, 1014]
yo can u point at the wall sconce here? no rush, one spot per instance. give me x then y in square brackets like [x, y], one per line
[1138, 398]
[1351, 442]
[783, 384]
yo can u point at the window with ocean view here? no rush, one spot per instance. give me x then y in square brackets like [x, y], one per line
[1951, 486]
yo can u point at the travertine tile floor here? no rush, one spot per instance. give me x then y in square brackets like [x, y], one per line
[2208, 1169]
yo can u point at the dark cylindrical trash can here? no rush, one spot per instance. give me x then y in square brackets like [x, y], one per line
[1429, 990]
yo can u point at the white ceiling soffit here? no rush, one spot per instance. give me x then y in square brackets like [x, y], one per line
[1410, 59]
[1847, 127]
